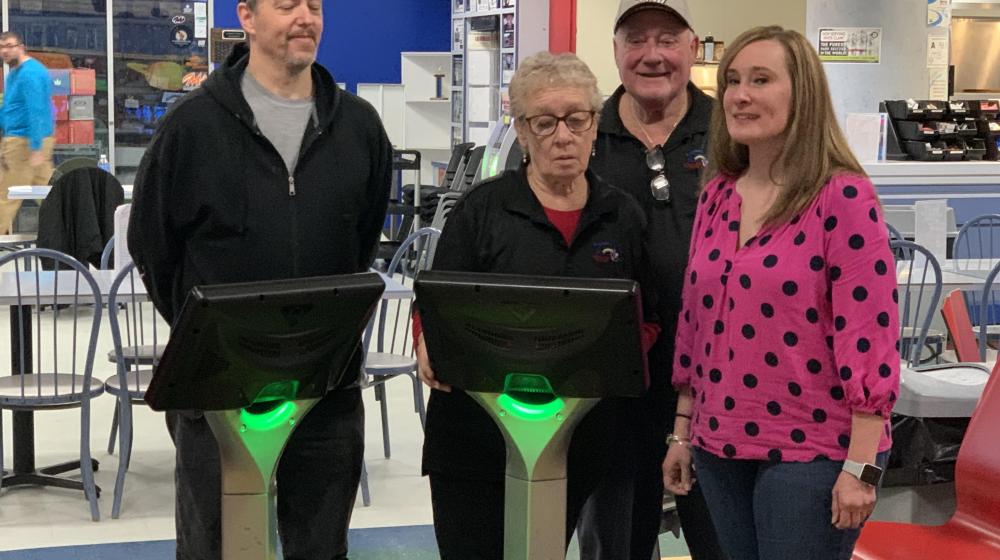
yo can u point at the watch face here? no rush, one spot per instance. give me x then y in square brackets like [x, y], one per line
[870, 474]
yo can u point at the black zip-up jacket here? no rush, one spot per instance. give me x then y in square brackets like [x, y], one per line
[501, 227]
[214, 202]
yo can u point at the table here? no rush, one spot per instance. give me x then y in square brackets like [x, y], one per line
[39, 192]
[963, 274]
[24, 470]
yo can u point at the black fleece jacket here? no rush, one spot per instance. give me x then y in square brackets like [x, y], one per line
[214, 202]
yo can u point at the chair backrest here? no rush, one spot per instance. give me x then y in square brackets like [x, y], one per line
[446, 202]
[69, 165]
[458, 154]
[471, 168]
[918, 297]
[977, 471]
[978, 242]
[987, 304]
[143, 331]
[60, 340]
[894, 234]
[956, 317]
[108, 253]
[394, 320]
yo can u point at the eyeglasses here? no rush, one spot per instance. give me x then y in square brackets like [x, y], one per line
[659, 186]
[10, 46]
[546, 125]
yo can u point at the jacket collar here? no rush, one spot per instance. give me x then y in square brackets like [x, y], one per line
[522, 200]
[695, 121]
[224, 84]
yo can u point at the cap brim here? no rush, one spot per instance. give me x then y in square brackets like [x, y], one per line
[643, 7]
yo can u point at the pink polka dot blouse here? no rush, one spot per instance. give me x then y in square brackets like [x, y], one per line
[782, 339]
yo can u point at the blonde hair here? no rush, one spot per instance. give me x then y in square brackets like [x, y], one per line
[815, 147]
[546, 71]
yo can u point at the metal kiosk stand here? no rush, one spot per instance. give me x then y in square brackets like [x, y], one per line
[537, 353]
[256, 357]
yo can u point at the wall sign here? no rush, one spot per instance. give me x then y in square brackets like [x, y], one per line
[850, 44]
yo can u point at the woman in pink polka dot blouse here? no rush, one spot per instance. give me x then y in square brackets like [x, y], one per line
[787, 356]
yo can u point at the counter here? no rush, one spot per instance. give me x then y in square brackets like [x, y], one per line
[970, 187]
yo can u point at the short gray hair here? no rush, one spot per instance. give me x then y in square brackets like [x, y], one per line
[547, 71]
[252, 4]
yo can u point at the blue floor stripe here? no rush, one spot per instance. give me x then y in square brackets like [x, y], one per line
[385, 543]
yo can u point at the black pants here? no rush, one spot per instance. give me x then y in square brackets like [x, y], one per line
[468, 514]
[317, 481]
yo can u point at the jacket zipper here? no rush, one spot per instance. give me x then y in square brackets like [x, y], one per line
[291, 185]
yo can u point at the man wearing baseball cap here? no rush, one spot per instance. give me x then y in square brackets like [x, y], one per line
[651, 143]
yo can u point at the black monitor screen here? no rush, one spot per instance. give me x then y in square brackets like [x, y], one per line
[582, 335]
[236, 344]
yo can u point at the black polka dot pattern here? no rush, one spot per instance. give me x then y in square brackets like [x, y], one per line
[805, 317]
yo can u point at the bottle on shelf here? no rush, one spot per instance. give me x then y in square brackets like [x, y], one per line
[709, 48]
[103, 163]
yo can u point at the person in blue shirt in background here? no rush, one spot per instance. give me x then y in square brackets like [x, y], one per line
[27, 122]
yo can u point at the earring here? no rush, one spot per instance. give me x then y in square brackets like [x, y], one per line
[593, 150]
[525, 159]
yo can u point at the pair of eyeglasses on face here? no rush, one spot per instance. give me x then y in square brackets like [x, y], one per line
[10, 45]
[657, 163]
[546, 125]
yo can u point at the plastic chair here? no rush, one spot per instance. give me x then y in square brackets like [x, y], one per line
[988, 313]
[918, 298]
[956, 318]
[60, 359]
[974, 530]
[894, 234]
[978, 243]
[69, 165]
[445, 204]
[471, 170]
[394, 355]
[107, 254]
[132, 379]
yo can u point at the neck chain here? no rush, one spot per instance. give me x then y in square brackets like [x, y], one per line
[638, 122]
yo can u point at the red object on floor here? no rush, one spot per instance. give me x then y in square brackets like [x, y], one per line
[956, 318]
[973, 533]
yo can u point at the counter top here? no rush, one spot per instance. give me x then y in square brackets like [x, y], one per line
[935, 173]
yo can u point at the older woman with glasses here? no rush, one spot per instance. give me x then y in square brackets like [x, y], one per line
[551, 217]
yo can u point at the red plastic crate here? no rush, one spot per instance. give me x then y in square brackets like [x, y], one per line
[83, 81]
[60, 105]
[81, 132]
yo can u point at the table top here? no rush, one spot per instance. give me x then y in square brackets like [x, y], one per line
[961, 274]
[65, 281]
[39, 192]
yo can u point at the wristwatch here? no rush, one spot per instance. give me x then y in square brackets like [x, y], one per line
[865, 472]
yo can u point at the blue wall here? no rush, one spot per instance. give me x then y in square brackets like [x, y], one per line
[362, 39]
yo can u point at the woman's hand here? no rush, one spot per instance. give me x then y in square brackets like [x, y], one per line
[677, 473]
[424, 368]
[853, 502]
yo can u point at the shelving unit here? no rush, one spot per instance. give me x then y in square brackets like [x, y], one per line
[489, 38]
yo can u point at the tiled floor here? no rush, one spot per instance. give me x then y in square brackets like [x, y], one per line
[36, 518]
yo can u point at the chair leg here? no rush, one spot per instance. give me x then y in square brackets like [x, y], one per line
[384, 405]
[86, 463]
[366, 495]
[418, 400]
[114, 430]
[2, 471]
[125, 454]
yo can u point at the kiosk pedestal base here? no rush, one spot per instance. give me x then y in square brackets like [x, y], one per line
[250, 446]
[537, 438]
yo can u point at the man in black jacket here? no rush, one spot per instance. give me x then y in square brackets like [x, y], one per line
[268, 171]
[656, 119]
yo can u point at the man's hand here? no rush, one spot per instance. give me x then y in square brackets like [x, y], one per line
[853, 502]
[424, 368]
[36, 159]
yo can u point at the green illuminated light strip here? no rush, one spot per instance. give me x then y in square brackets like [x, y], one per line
[269, 420]
[531, 412]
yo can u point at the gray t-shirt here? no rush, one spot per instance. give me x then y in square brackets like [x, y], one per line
[282, 121]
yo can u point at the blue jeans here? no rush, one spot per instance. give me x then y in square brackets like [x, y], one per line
[775, 511]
